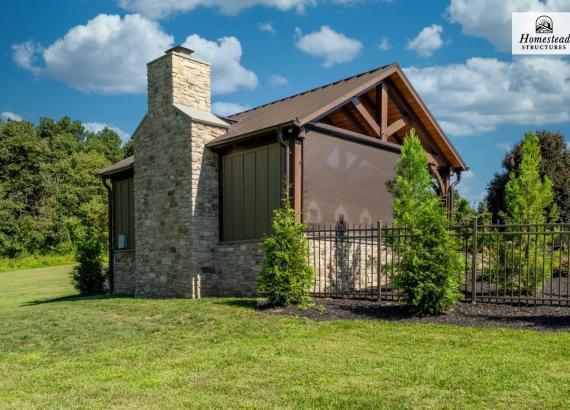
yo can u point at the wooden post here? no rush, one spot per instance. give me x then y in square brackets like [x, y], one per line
[296, 176]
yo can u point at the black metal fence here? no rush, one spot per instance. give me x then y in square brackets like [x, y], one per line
[516, 264]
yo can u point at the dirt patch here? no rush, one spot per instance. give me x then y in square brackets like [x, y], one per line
[551, 318]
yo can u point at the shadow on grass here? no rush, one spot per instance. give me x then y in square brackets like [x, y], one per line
[74, 298]
[250, 304]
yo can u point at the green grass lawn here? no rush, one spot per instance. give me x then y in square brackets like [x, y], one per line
[29, 262]
[219, 353]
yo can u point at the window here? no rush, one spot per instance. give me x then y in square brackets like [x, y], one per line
[124, 214]
[251, 190]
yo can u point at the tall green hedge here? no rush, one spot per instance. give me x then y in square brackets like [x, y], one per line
[431, 269]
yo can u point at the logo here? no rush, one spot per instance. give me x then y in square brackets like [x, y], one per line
[540, 34]
[544, 25]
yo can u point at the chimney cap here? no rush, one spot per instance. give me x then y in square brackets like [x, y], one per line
[179, 49]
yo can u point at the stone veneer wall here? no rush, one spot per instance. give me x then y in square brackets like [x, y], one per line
[177, 215]
[124, 277]
[238, 266]
[175, 78]
[177, 194]
[343, 266]
[163, 205]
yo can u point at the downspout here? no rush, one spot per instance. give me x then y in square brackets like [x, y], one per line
[287, 154]
[110, 227]
[451, 189]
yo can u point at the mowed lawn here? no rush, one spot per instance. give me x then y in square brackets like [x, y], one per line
[220, 353]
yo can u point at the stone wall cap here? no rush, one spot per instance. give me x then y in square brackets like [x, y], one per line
[180, 49]
[202, 116]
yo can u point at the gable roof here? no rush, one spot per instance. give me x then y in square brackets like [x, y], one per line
[292, 109]
[120, 166]
[302, 108]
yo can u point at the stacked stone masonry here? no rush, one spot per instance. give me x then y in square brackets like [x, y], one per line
[178, 249]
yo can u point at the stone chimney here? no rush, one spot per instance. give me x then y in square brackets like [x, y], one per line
[176, 181]
[177, 78]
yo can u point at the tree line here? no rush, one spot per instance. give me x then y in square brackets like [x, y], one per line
[553, 163]
[49, 191]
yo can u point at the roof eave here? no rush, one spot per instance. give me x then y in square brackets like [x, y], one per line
[216, 144]
[114, 172]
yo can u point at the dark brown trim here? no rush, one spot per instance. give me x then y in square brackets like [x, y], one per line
[120, 175]
[221, 142]
[248, 144]
[297, 176]
[354, 136]
[115, 172]
[383, 110]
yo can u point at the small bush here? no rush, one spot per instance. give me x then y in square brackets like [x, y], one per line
[88, 276]
[286, 274]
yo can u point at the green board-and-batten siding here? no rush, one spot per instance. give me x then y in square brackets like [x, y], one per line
[251, 190]
[124, 215]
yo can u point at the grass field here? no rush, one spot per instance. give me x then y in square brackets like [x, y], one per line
[219, 353]
[30, 262]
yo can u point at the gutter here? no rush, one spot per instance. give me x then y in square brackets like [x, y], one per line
[110, 228]
[220, 142]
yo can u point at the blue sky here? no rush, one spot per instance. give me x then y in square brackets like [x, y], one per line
[86, 59]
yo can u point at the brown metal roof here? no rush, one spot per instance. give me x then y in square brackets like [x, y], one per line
[122, 165]
[302, 108]
[296, 108]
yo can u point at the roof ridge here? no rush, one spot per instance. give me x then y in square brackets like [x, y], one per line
[311, 90]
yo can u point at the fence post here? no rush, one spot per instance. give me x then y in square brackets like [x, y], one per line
[474, 264]
[378, 259]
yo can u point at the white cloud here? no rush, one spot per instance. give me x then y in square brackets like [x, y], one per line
[100, 126]
[107, 55]
[483, 93]
[225, 56]
[277, 80]
[427, 41]
[384, 44]
[25, 54]
[7, 115]
[491, 19]
[326, 43]
[504, 146]
[165, 8]
[267, 27]
[227, 108]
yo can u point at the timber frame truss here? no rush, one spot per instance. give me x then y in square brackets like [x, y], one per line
[382, 112]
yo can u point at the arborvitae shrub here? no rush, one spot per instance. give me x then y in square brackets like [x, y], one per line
[431, 268]
[286, 274]
[88, 276]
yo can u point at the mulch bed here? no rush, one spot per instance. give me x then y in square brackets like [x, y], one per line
[551, 318]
